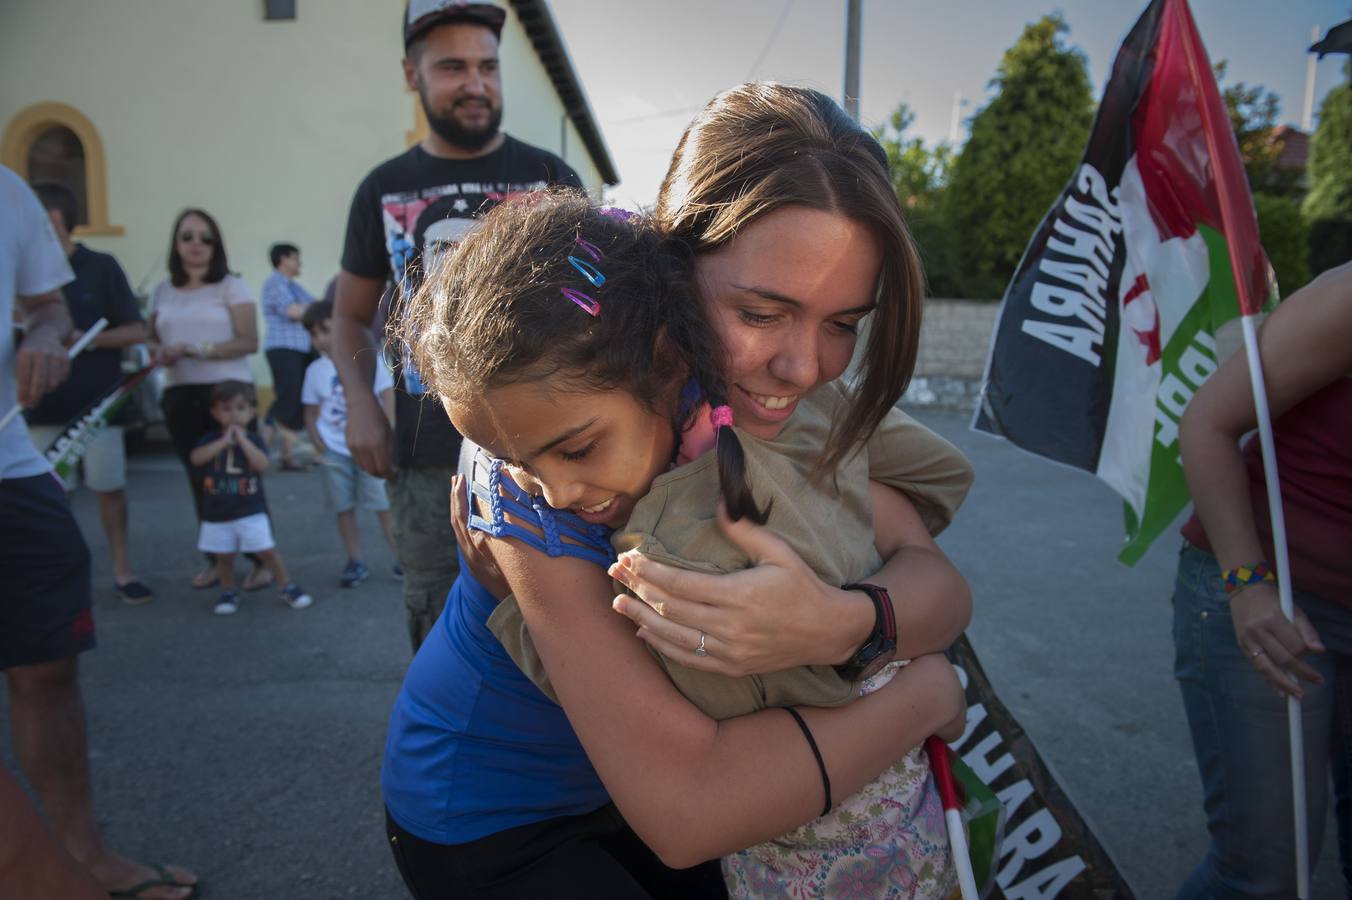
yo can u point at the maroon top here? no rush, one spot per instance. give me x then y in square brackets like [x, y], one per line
[1314, 465]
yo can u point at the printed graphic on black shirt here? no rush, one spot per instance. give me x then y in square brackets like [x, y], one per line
[230, 489]
[406, 216]
[434, 220]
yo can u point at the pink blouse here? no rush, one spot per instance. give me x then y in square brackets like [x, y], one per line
[193, 315]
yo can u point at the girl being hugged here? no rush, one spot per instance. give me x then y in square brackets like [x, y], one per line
[569, 343]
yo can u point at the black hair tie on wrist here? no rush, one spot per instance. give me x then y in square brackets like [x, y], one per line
[821, 764]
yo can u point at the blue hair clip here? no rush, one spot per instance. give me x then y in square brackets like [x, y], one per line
[589, 271]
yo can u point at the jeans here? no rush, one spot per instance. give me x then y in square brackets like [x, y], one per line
[1239, 735]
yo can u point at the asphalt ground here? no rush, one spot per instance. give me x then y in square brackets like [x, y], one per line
[248, 748]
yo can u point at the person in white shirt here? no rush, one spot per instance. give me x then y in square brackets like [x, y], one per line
[345, 483]
[45, 618]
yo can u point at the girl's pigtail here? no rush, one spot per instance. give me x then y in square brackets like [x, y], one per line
[737, 496]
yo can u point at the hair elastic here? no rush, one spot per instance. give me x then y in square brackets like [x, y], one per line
[821, 764]
[614, 212]
[590, 306]
[720, 416]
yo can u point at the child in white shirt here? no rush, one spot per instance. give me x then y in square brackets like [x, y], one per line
[345, 483]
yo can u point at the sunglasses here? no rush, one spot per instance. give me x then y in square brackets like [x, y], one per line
[201, 237]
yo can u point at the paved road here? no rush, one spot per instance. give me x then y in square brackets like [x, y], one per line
[249, 747]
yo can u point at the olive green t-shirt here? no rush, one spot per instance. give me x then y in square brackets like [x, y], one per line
[826, 518]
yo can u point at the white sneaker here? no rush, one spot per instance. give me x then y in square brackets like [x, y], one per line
[228, 605]
[295, 597]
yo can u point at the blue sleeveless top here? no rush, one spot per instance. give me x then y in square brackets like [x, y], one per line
[474, 747]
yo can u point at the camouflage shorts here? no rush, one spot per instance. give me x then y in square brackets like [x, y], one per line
[420, 523]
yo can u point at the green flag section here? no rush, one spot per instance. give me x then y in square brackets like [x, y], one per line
[1027, 839]
[1108, 326]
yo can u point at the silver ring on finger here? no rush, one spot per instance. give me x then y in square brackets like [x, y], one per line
[700, 651]
[1257, 653]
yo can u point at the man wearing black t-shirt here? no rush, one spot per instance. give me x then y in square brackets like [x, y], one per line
[406, 211]
[99, 291]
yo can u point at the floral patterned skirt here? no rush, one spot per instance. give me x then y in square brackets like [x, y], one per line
[888, 840]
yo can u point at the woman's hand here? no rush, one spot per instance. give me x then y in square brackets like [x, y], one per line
[172, 353]
[762, 619]
[475, 546]
[1273, 644]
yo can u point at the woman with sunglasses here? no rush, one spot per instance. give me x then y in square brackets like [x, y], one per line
[202, 320]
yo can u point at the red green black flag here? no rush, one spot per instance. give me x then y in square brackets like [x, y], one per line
[1108, 326]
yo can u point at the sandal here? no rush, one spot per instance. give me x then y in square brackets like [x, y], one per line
[207, 578]
[164, 879]
[258, 579]
[134, 593]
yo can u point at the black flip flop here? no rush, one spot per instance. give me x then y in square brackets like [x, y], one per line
[134, 593]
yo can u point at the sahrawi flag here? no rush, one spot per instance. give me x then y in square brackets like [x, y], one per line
[74, 440]
[1108, 326]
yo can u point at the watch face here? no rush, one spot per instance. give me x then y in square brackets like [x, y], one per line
[875, 665]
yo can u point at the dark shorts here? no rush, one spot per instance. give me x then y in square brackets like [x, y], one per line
[44, 575]
[568, 858]
[288, 374]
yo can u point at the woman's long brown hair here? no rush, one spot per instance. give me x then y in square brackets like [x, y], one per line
[762, 146]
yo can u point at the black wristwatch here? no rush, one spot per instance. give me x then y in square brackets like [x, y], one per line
[881, 646]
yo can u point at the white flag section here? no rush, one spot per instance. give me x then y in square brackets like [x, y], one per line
[1162, 279]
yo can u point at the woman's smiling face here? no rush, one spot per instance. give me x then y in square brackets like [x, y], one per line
[786, 297]
[593, 453]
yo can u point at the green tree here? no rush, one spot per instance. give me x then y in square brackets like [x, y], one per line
[1285, 237]
[1328, 204]
[919, 173]
[920, 178]
[1023, 149]
[1253, 116]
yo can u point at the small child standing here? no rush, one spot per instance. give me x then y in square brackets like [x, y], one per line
[345, 483]
[230, 461]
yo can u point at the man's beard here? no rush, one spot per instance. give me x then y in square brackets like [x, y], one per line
[457, 135]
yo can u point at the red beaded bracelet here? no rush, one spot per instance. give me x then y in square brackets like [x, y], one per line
[1235, 580]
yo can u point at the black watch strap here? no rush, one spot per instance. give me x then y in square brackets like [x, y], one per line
[881, 645]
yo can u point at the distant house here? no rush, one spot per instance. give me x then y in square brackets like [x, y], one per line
[266, 114]
[1295, 146]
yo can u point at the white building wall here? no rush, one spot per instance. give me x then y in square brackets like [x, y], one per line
[269, 126]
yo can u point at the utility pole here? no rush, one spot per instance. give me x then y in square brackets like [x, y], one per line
[955, 124]
[852, 11]
[1307, 117]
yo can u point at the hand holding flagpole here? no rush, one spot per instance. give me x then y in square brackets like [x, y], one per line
[1253, 275]
[76, 349]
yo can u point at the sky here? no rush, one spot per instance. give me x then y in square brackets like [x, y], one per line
[648, 65]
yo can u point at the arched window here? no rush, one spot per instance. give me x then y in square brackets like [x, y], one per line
[57, 155]
[56, 142]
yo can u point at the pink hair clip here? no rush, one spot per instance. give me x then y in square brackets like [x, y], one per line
[590, 306]
[720, 416]
[589, 271]
[591, 249]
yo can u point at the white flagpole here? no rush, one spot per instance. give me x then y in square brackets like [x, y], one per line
[76, 349]
[1282, 563]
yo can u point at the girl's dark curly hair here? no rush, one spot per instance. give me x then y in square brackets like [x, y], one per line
[494, 313]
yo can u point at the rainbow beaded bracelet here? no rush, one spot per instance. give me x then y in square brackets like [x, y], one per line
[1237, 579]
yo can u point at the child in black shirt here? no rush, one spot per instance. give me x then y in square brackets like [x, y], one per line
[234, 516]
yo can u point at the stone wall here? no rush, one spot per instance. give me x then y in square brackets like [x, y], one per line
[954, 341]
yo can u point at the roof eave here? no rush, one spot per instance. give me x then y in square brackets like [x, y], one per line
[544, 36]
